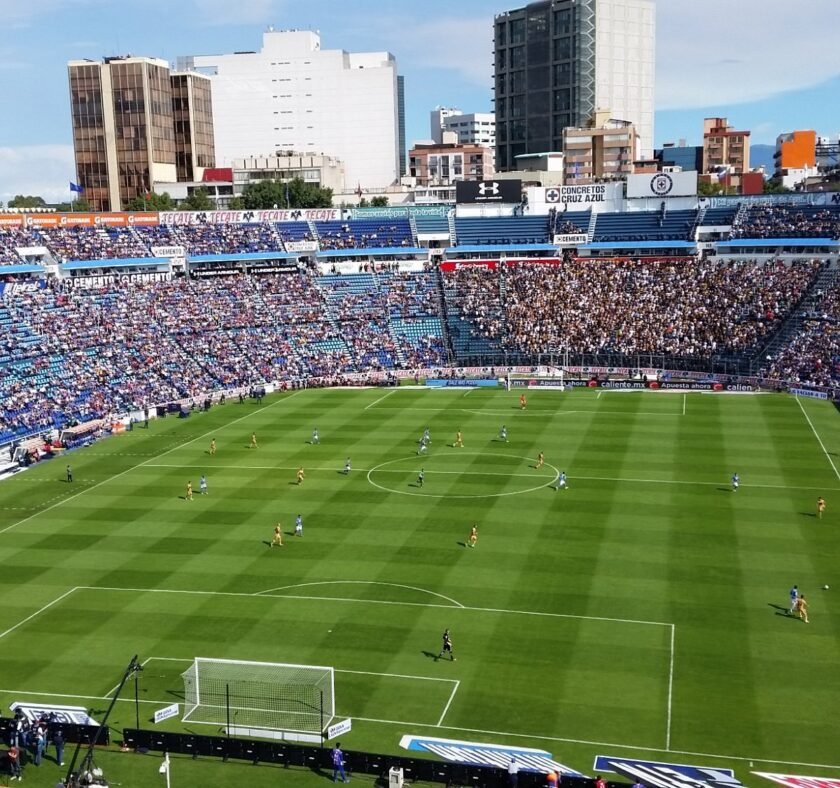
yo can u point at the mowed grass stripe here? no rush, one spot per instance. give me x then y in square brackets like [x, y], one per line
[673, 552]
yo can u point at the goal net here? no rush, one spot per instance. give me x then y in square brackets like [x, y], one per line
[265, 695]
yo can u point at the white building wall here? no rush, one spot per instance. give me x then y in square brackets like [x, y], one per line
[294, 96]
[625, 61]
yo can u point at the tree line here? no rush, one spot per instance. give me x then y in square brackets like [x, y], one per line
[261, 195]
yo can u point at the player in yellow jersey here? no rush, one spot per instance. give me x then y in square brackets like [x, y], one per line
[253, 440]
[820, 507]
[188, 496]
[540, 460]
[300, 476]
[277, 539]
[523, 402]
[213, 447]
[459, 440]
[802, 608]
[473, 538]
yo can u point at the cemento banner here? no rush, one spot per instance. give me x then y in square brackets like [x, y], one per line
[301, 246]
[251, 217]
[570, 240]
[173, 252]
[662, 184]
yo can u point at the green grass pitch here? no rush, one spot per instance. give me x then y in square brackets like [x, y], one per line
[638, 612]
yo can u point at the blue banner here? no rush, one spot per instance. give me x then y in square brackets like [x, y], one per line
[654, 774]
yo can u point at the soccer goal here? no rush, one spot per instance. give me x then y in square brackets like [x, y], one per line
[247, 697]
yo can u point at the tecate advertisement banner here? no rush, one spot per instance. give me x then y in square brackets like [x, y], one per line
[662, 184]
[484, 192]
[250, 217]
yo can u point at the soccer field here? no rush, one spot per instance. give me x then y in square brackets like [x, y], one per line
[641, 611]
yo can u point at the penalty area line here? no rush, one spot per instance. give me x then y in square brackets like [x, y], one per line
[448, 703]
[819, 439]
[384, 396]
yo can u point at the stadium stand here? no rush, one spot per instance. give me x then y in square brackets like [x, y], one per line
[92, 243]
[787, 221]
[720, 217]
[431, 224]
[645, 226]
[502, 230]
[364, 234]
[13, 238]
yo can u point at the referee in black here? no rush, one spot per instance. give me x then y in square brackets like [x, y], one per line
[446, 648]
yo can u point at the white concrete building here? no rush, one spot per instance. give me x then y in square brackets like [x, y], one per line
[294, 96]
[625, 63]
[475, 128]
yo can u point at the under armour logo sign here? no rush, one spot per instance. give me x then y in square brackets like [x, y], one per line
[488, 188]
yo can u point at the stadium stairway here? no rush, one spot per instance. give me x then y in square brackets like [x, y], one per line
[444, 314]
[453, 235]
[412, 223]
[590, 232]
[824, 281]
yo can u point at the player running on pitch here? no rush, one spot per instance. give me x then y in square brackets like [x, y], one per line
[523, 402]
[736, 480]
[423, 445]
[316, 438]
[459, 441]
[347, 467]
[427, 435]
[560, 484]
[473, 537]
[802, 609]
[299, 525]
[213, 447]
[253, 440]
[188, 496]
[421, 477]
[820, 507]
[794, 598]
[446, 646]
[202, 485]
[503, 434]
[277, 538]
[300, 476]
[540, 459]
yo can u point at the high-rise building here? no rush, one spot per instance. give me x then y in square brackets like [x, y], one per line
[687, 157]
[725, 149]
[294, 96]
[602, 151]
[437, 121]
[558, 61]
[136, 123]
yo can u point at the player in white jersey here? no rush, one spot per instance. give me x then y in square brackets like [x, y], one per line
[736, 480]
[560, 484]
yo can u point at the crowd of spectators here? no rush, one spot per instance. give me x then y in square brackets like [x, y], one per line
[79, 351]
[694, 308]
[92, 243]
[787, 221]
[12, 239]
[811, 357]
[363, 234]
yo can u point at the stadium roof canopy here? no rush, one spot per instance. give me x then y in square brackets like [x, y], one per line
[115, 262]
[380, 251]
[764, 242]
[23, 268]
[490, 248]
[639, 245]
[239, 256]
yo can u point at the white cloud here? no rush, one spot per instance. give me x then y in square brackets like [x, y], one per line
[721, 52]
[41, 170]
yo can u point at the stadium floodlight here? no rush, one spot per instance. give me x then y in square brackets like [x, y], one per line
[260, 696]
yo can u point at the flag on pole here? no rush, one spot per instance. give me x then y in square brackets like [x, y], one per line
[74, 187]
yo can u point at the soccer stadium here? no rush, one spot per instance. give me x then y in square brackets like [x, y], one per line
[268, 468]
[423, 395]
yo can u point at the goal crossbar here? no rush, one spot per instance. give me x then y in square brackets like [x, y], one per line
[267, 695]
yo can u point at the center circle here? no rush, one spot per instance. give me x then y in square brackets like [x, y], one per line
[406, 484]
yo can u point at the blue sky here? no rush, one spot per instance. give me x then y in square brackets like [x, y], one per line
[772, 67]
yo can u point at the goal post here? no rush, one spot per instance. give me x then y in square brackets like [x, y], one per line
[267, 696]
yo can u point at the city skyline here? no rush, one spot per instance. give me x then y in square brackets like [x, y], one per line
[720, 69]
